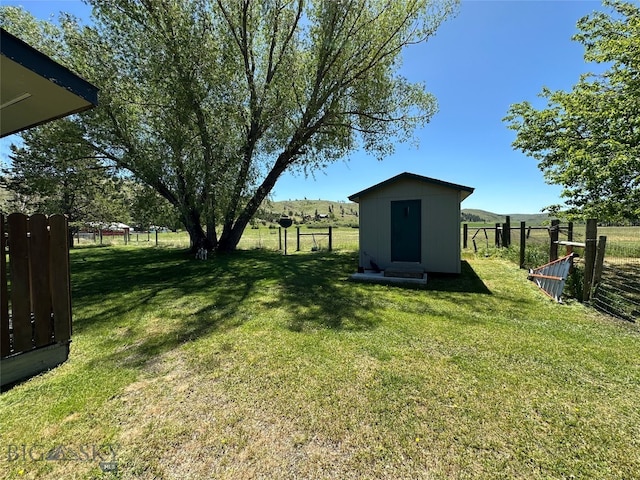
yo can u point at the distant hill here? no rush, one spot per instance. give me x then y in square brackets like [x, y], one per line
[347, 213]
[304, 211]
[482, 216]
[323, 206]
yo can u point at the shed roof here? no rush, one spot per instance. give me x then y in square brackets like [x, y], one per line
[35, 89]
[466, 191]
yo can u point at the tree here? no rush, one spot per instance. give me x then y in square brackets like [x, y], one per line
[148, 208]
[54, 172]
[588, 139]
[209, 102]
[5, 195]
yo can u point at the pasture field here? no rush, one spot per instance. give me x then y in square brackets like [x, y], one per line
[622, 241]
[260, 365]
[344, 238]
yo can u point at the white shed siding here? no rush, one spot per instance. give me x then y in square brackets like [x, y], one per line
[440, 224]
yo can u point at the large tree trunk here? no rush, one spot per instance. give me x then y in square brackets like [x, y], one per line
[231, 237]
[197, 236]
[70, 233]
[212, 239]
[232, 234]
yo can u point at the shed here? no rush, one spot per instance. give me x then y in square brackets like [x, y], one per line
[411, 222]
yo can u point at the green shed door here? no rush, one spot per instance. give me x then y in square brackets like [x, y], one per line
[405, 231]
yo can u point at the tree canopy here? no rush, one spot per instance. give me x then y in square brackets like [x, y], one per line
[588, 139]
[54, 173]
[209, 102]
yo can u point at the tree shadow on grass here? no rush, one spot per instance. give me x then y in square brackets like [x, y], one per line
[115, 288]
[316, 293]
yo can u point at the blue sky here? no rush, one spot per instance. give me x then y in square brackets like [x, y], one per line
[491, 55]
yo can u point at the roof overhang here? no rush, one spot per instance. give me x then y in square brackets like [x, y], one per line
[464, 191]
[34, 89]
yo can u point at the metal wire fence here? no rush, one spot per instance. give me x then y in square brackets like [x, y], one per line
[618, 292]
[316, 239]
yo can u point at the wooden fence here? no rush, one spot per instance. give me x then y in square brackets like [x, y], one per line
[35, 295]
[592, 249]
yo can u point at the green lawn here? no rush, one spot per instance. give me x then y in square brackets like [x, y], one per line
[257, 365]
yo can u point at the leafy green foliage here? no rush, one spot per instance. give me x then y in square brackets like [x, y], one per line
[54, 172]
[148, 208]
[5, 196]
[588, 139]
[209, 102]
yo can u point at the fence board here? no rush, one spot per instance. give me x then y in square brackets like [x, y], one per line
[20, 303]
[4, 295]
[60, 287]
[39, 267]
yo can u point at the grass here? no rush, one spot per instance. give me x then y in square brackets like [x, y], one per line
[257, 365]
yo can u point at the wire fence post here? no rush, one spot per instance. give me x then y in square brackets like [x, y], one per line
[554, 232]
[506, 232]
[599, 263]
[589, 257]
[523, 243]
[570, 232]
[285, 241]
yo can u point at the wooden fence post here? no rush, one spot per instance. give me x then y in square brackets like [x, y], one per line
[4, 299]
[589, 257]
[498, 239]
[465, 233]
[553, 240]
[330, 238]
[570, 232]
[279, 238]
[506, 232]
[523, 243]
[297, 239]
